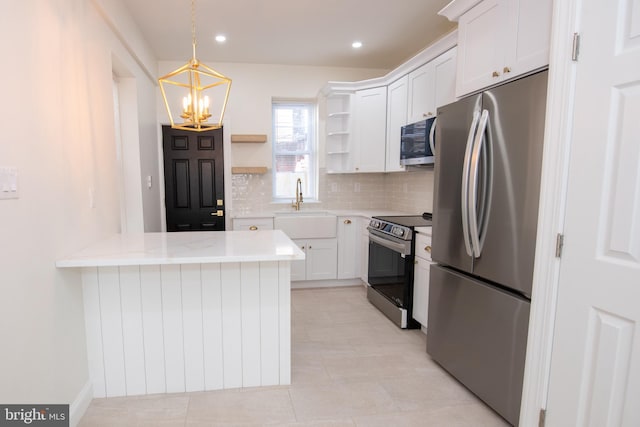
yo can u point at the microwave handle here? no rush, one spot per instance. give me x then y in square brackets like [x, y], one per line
[432, 135]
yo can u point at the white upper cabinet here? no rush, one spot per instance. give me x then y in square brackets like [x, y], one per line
[396, 118]
[501, 39]
[431, 86]
[421, 102]
[444, 77]
[363, 119]
[370, 129]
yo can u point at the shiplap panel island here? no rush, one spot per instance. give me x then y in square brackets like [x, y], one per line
[191, 311]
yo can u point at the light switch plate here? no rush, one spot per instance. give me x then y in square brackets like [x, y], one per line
[8, 183]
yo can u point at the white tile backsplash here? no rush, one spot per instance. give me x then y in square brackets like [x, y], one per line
[410, 192]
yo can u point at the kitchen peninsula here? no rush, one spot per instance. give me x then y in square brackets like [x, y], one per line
[191, 311]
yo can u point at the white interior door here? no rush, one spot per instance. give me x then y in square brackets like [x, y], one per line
[595, 364]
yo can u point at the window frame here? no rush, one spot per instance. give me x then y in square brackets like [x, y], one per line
[310, 188]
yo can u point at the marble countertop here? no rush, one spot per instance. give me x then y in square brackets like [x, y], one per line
[365, 213]
[424, 230]
[186, 248]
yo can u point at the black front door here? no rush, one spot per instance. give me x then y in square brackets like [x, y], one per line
[194, 179]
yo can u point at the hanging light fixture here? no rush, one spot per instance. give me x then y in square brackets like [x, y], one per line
[199, 86]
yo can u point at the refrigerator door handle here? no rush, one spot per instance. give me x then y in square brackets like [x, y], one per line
[478, 145]
[432, 135]
[464, 194]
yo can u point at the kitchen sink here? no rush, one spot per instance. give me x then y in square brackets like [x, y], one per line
[306, 224]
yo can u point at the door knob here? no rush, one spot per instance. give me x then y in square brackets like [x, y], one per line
[495, 74]
[506, 70]
[347, 221]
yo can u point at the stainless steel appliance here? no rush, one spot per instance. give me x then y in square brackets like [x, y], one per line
[417, 143]
[390, 269]
[487, 184]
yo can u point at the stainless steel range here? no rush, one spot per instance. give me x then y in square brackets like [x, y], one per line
[391, 259]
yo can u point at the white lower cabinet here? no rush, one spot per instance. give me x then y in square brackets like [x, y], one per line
[321, 261]
[258, 223]
[421, 271]
[348, 247]
[364, 250]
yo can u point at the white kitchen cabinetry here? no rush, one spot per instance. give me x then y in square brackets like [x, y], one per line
[364, 250]
[348, 247]
[431, 86]
[444, 77]
[321, 261]
[501, 39]
[338, 135]
[421, 271]
[396, 118]
[420, 96]
[370, 129]
[253, 224]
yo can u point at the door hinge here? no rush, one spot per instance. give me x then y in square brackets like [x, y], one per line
[559, 244]
[575, 48]
[541, 417]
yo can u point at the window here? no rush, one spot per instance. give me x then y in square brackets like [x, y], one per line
[294, 149]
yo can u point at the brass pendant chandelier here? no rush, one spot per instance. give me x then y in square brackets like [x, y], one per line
[199, 86]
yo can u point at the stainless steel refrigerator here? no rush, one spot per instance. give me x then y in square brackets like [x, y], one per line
[487, 185]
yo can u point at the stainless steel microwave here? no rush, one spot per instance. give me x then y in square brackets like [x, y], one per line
[417, 143]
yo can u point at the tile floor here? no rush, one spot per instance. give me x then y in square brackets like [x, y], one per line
[350, 367]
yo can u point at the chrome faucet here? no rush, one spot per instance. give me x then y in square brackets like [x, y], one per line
[296, 205]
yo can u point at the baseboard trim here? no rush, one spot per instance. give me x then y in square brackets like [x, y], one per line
[80, 404]
[304, 284]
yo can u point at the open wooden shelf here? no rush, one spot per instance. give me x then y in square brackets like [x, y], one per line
[260, 138]
[249, 169]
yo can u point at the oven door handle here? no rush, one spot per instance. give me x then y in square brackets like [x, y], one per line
[394, 246]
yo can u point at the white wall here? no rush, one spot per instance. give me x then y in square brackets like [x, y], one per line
[58, 130]
[133, 59]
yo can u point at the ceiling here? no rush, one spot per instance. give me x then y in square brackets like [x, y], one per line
[292, 32]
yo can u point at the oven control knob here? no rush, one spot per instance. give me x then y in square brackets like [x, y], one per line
[398, 231]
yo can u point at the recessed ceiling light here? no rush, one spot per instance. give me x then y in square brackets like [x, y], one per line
[356, 45]
[220, 38]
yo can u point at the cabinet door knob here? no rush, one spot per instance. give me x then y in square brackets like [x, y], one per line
[429, 114]
[253, 228]
[347, 221]
[427, 248]
[495, 74]
[309, 246]
[506, 70]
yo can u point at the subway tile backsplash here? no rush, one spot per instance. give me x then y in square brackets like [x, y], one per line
[410, 192]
